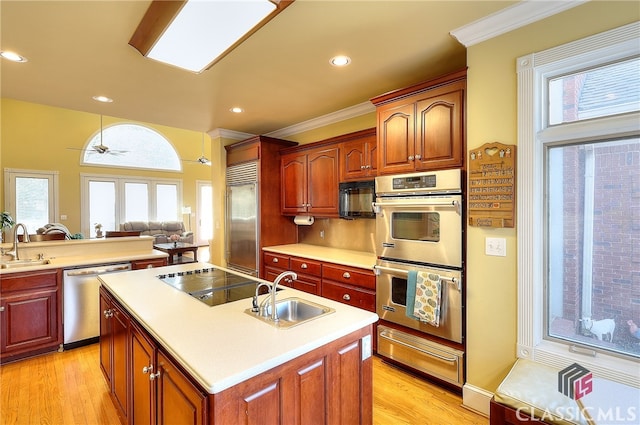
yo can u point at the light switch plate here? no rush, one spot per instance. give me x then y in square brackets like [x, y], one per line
[496, 246]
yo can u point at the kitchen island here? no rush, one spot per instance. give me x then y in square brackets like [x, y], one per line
[201, 364]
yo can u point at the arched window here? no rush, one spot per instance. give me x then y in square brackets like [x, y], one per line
[131, 146]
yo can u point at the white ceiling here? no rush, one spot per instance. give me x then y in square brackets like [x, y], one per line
[280, 75]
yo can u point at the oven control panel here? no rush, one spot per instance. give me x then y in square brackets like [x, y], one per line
[415, 182]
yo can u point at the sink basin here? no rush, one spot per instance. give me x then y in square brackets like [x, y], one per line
[292, 312]
[22, 263]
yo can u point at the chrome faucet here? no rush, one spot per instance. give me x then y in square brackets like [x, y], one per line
[271, 299]
[292, 275]
[14, 251]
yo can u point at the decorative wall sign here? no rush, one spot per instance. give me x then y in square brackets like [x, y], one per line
[492, 185]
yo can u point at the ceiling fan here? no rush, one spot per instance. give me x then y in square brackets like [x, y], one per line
[100, 148]
[202, 159]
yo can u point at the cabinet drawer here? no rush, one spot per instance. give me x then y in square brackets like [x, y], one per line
[309, 267]
[270, 274]
[349, 275]
[29, 280]
[276, 260]
[350, 295]
[307, 284]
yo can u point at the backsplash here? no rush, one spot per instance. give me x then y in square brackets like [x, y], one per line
[357, 235]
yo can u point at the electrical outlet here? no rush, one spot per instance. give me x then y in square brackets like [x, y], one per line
[321, 234]
[496, 246]
[63, 217]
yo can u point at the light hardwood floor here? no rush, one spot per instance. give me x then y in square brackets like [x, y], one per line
[68, 388]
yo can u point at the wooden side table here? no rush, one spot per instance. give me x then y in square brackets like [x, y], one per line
[176, 250]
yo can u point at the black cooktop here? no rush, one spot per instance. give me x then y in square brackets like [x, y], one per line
[212, 286]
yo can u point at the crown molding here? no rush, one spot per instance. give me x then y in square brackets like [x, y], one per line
[324, 120]
[509, 19]
[219, 133]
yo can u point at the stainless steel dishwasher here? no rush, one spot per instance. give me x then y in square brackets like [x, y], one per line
[81, 303]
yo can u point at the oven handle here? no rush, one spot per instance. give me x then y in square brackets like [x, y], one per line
[452, 360]
[378, 269]
[414, 203]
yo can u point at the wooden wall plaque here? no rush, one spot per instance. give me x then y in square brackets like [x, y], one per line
[492, 185]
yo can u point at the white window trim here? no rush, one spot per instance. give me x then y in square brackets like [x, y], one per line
[120, 181]
[10, 175]
[532, 71]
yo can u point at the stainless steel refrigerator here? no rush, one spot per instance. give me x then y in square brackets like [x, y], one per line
[242, 221]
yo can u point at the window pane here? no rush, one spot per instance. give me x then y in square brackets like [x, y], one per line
[132, 146]
[593, 260]
[32, 202]
[102, 205]
[136, 202]
[166, 202]
[598, 92]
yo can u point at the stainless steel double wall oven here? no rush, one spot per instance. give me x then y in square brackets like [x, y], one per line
[419, 227]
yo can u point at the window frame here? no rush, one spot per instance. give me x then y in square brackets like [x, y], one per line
[533, 136]
[120, 182]
[10, 175]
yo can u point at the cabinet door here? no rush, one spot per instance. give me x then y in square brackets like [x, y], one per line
[322, 175]
[120, 359]
[396, 138]
[353, 160]
[106, 336]
[179, 401]
[143, 394]
[293, 194]
[440, 129]
[29, 321]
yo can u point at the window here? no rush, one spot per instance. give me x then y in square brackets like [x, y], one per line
[579, 174]
[32, 197]
[111, 200]
[132, 146]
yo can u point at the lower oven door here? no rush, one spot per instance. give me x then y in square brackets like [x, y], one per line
[435, 359]
[391, 299]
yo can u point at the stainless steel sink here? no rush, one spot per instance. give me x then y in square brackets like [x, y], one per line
[292, 312]
[23, 263]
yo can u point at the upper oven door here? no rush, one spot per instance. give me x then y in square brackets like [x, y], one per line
[425, 229]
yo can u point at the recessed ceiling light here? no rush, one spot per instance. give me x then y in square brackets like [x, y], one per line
[237, 110]
[103, 99]
[340, 60]
[13, 57]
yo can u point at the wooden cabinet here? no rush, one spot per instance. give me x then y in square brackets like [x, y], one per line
[330, 385]
[146, 387]
[114, 351]
[422, 127]
[148, 263]
[348, 285]
[310, 182]
[359, 156]
[30, 312]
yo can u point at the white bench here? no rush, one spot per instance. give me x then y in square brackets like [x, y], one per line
[530, 390]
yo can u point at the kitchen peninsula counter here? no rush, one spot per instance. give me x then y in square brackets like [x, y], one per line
[346, 257]
[222, 346]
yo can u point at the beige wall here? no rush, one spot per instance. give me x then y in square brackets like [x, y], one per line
[491, 112]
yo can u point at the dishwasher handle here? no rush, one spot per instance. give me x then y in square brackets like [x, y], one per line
[102, 270]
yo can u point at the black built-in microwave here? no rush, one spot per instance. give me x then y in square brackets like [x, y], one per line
[356, 199]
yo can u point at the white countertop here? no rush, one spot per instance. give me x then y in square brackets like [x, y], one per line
[85, 252]
[222, 346]
[361, 259]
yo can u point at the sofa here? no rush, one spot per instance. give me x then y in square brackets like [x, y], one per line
[160, 230]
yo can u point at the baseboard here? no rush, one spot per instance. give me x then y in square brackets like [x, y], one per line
[476, 399]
